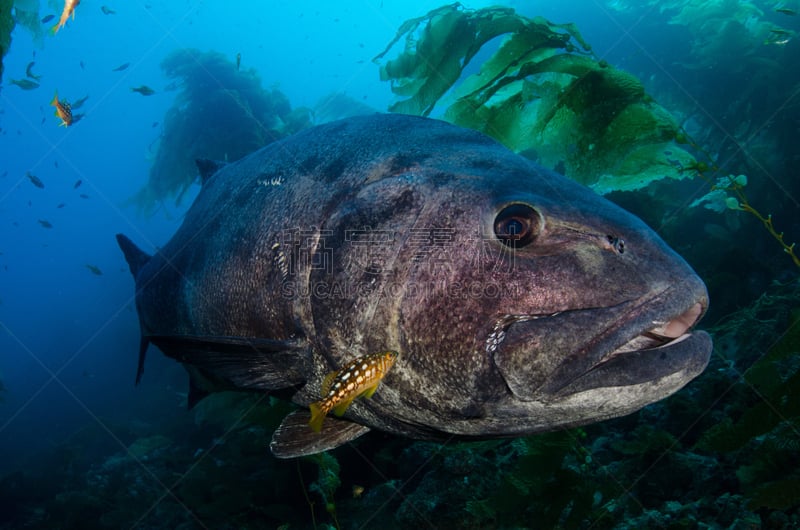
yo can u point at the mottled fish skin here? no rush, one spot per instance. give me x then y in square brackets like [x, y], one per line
[392, 232]
[361, 376]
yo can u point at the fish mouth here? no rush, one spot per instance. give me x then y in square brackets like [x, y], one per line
[633, 343]
[665, 348]
[663, 335]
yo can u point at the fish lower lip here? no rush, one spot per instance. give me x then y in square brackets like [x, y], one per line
[661, 348]
[687, 355]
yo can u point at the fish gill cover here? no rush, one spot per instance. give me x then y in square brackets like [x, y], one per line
[542, 93]
[221, 113]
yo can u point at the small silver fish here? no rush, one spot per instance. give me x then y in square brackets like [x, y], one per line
[25, 84]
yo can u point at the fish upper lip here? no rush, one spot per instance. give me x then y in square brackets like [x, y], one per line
[647, 348]
[660, 333]
[663, 333]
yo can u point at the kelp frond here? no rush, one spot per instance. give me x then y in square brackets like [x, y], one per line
[541, 93]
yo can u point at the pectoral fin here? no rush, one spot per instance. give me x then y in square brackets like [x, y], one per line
[341, 407]
[293, 438]
[371, 390]
[243, 362]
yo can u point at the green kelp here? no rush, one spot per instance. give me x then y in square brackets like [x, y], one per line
[327, 482]
[759, 434]
[220, 113]
[238, 410]
[6, 27]
[728, 194]
[541, 93]
[725, 30]
[26, 15]
[722, 44]
[720, 30]
[336, 106]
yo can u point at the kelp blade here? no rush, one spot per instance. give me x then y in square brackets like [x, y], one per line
[541, 93]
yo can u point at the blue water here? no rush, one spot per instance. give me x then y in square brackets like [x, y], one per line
[69, 337]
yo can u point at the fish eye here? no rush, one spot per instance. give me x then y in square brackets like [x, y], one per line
[517, 225]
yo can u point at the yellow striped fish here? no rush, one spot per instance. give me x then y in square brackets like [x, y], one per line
[360, 377]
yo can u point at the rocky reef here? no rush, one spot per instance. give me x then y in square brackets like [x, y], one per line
[691, 461]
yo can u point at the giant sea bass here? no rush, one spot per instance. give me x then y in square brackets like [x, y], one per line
[513, 300]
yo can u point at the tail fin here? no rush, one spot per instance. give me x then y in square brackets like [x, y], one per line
[136, 257]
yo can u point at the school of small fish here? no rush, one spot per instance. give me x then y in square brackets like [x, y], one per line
[64, 109]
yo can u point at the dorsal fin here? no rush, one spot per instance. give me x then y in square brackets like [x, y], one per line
[207, 168]
[135, 256]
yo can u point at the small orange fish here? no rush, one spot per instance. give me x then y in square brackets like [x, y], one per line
[360, 377]
[63, 111]
[69, 9]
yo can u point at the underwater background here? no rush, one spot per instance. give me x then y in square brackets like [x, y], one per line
[706, 155]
